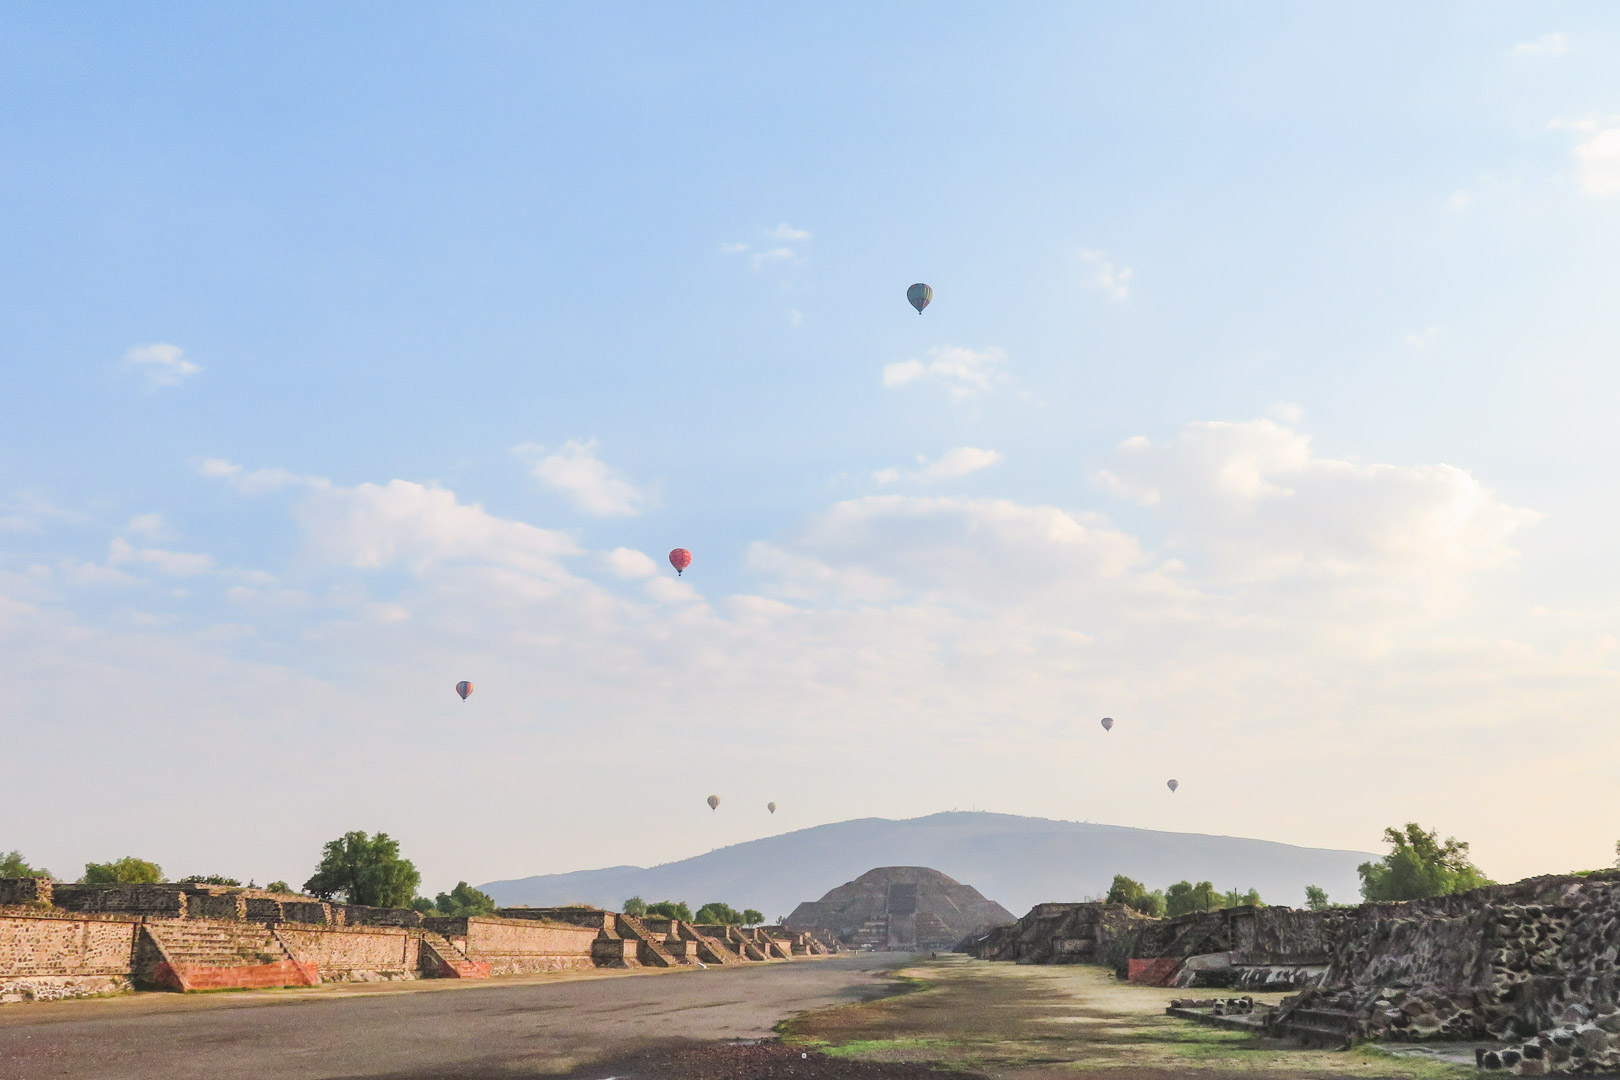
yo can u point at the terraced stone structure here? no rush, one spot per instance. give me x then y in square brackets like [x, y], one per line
[898, 907]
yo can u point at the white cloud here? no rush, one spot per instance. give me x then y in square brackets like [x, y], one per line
[963, 371]
[1423, 340]
[1289, 412]
[172, 563]
[249, 482]
[795, 317]
[733, 248]
[630, 563]
[785, 231]
[151, 526]
[163, 365]
[1546, 45]
[778, 254]
[1103, 275]
[590, 483]
[953, 463]
[1597, 157]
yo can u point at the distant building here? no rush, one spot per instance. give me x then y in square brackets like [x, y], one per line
[899, 907]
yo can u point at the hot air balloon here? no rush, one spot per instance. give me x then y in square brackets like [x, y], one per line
[919, 295]
[1172, 785]
[771, 807]
[1108, 723]
[680, 559]
[463, 688]
[714, 801]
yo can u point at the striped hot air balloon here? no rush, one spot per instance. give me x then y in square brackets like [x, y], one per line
[463, 688]
[920, 295]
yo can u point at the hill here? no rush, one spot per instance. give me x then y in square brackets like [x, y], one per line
[1015, 861]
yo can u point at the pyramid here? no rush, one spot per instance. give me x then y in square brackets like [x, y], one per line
[899, 907]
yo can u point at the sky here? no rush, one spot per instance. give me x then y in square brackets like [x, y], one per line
[1265, 404]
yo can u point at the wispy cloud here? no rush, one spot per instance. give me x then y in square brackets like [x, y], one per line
[779, 254]
[589, 482]
[1597, 157]
[1423, 340]
[785, 231]
[163, 365]
[964, 371]
[953, 463]
[1103, 275]
[1546, 45]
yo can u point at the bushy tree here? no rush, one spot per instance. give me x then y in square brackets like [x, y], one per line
[12, 864]
[716, 912]
[209, 879]
[1184, 897]
[1317, 898]
[671, 909]
[1419, 865]
[463, 900]
[1135, 895]
[1233, 898]
[635, 906]
[364, 870]
[278, 886]
[752, 917]
[128, 870]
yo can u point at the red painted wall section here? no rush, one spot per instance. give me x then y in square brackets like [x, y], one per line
[251, 977]
[1157, 971]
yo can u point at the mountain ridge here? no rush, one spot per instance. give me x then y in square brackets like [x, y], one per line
[1016, 861]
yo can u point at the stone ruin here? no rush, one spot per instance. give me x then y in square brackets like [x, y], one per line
[898, 907]
[60, 940]
[1532, 963]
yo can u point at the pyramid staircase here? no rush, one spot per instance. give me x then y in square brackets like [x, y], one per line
[451, 962]
[649, 946]
[184, 955]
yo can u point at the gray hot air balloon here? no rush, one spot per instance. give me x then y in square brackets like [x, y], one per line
[920, 296]
[771, 807]
[1108, 723]
[1172, 785]
[714, 801]
[463, 688]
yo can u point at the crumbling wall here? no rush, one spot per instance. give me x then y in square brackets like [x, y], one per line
[354, 954]
[518, 946]
[159, 901]
[45, 956]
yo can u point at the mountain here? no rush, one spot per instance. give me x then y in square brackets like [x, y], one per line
[1016, 861]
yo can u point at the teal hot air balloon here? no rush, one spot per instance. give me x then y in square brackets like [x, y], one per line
[920, 295]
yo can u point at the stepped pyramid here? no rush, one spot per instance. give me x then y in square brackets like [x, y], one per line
[899, 907]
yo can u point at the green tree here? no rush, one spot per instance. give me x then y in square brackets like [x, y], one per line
[1317, 898]
[1233, 898]
[635, 906]
[1135, 895]
[671, 909]
[209, 879]
[278, 886]
[1419, 865]
[1184, 897]
[752, 917]
[716, 912]
[364, 870]
[464, 900]
[12, 864]
[128, 870]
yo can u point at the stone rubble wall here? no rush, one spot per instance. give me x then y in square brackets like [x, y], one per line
[518, 946]
[45, 956]
[354, 954]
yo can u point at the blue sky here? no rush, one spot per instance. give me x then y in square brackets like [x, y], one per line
[1265, 403]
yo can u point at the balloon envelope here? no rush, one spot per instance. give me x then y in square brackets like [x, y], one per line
[920, 296]
[714, 801]
[463, 688]
[1172, 785]
[771, 807]
[1108, 723]
[680, 559]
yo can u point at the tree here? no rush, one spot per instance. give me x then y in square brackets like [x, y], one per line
[635, 906]
[278, 886]
[209, 879]
[1317, 898]
[724, 914]
[1419, 865]
[752, 917]
[364, 870]
[1616, 854]
[1184, 897]
[128, 870]
[1233, 898]
[464, 900]
[12, 864]
[1135, 895]
[671, 909]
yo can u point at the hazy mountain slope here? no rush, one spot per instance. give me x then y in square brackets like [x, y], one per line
[1017, 861]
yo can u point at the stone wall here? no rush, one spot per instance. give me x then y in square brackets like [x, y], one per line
[46, 956]
[28, 890]
[518, 946]
[160, 901]
[354, 954]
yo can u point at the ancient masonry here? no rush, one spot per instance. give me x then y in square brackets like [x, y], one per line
[61, 941]
[1533, 964]
[898, 907]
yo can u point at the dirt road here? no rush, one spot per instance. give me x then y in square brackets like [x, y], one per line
[486, 1031]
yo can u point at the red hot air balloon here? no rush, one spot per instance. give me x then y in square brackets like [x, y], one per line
[463, 688]
[680, 559]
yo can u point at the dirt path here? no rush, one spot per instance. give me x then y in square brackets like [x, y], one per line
[1046, 1023]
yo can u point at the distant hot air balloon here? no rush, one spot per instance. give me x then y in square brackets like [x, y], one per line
[771, 807]
[680, 559]
[714, 801]
[1108, 723]
[463, 688]
[919, 295]
[1172, 785]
